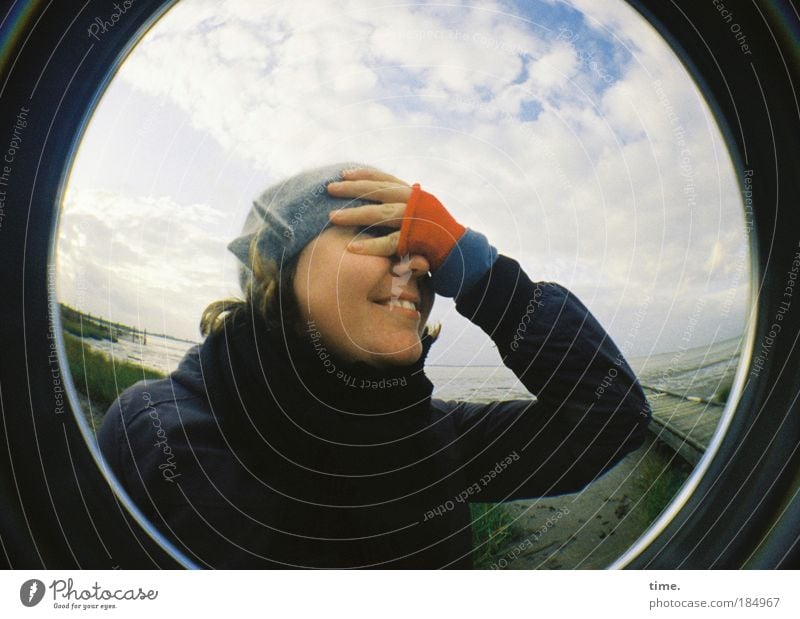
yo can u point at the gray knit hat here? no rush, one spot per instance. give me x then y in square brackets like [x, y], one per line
[288, 215]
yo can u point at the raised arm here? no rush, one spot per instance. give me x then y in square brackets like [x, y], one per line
[589, 410]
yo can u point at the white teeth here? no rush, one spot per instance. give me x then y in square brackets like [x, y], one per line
[401, 303]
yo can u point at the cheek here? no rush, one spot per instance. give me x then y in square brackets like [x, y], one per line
[314, 283]
[337, 284]
[322, 290]
[355, 279]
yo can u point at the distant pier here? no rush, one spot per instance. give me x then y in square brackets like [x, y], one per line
[85, 325]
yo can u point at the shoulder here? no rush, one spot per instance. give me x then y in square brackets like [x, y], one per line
[150, 423]
[149, 399]
[175, 400]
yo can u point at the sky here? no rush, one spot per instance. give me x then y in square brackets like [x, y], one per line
[567, 132]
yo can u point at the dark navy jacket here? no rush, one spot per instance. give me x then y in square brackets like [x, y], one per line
[163, 442]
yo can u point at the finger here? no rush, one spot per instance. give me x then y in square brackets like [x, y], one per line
[380, 246]
[388, 214]
[378, 191]
[370, 174]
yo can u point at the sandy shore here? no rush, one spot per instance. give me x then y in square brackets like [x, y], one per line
[588, 530]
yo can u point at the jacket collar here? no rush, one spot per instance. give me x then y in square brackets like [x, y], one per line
[354, 401]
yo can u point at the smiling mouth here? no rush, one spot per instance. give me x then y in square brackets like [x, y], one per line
[401, 307]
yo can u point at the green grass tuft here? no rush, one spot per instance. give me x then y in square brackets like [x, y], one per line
[661, 478]
[86, 329]
[491, 524]
[100, 378]
[724, 391]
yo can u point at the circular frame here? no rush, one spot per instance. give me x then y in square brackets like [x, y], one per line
[740, 508]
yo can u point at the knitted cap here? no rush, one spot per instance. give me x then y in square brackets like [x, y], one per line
[288, 215]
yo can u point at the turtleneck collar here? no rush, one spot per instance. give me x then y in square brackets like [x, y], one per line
[291, 385]
[351, 388]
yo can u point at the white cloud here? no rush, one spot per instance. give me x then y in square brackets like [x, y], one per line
[613, 188]
[161, 257]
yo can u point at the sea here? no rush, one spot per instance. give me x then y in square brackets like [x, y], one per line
[162, 352]
[701, 372]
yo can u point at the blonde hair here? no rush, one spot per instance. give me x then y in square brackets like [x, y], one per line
[261, 293]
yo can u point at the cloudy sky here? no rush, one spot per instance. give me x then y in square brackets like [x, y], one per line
[568, 133]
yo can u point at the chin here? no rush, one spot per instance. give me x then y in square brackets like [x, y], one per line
[398, 355]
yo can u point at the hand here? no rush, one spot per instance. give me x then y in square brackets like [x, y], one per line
[369, 184]
[425, 226]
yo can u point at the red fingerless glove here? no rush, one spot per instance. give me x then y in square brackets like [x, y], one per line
[428, 228]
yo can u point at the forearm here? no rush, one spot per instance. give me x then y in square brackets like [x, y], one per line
[558, 350]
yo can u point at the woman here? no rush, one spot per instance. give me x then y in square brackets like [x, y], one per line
[302, 432]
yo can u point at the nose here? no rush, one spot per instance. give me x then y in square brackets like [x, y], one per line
[417, 264]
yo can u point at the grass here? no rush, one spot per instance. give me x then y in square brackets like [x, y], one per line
[661, 479]
[82, 325]
[724, 391]
[490, 531]
[100, 378]
[86, 329]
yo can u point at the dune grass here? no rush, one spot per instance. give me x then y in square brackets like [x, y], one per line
[86, 329]
[723, 391]
[82, 325]
[490, 531]
[661, 479]
[99, 377]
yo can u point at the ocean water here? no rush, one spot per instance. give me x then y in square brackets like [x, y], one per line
[475, 383]
[700, 372]
[694, 372]
[161, 353]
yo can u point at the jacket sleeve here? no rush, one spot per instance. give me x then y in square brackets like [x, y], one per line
[589, 410]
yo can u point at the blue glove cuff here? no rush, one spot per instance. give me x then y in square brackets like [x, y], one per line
[470, 259]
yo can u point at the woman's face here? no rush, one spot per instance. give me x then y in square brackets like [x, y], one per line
[362, 304]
